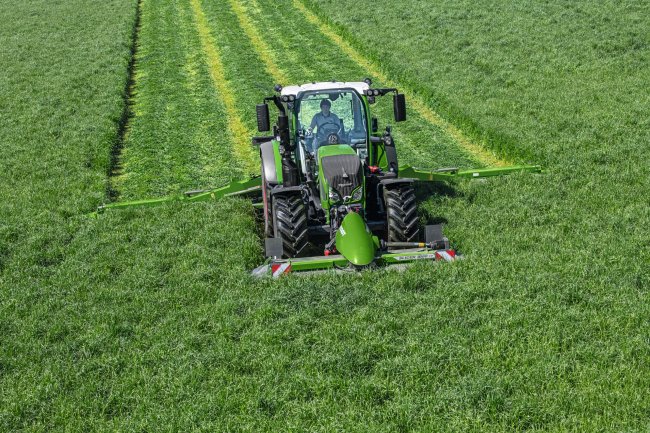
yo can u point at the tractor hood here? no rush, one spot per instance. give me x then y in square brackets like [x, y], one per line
[355, 241]
[340, 169]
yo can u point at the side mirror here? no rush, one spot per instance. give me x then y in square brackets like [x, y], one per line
[373, 124]
[263, 123]
[399, 107]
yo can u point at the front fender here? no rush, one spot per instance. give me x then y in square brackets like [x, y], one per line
[271, 161]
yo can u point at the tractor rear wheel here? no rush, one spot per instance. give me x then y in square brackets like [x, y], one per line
[401, 213]
[290, 223]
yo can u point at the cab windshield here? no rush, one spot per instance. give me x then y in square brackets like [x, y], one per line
[332, 117]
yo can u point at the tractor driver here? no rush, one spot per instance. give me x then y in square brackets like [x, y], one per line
[324, 117]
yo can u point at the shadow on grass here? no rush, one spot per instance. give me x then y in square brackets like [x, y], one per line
[433, 191]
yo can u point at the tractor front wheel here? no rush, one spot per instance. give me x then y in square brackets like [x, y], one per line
[402, 213]
[290, 223]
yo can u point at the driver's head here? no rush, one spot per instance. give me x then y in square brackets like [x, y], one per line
[325, 105]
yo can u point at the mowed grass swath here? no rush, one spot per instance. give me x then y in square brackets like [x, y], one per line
[178, 136]
[147, 319]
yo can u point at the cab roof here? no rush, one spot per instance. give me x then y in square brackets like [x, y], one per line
[359, 86]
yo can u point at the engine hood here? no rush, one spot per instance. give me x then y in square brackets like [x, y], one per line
[340, 169]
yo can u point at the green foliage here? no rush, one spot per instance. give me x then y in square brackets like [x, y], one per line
[147, 320]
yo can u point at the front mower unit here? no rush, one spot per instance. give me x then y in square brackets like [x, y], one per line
[357, 254]
[330, 181]
[278, 267]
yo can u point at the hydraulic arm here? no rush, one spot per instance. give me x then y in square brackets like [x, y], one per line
[449, 174]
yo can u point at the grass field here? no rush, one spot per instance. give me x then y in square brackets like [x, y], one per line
[147, 320]
[62, 94]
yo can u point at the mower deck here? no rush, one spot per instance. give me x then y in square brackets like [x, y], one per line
[279, 267]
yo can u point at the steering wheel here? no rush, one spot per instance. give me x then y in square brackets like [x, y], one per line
[328, 133]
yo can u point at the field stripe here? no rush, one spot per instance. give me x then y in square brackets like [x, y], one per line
[421, 143]
[265, 53]
[415, 102]
[241, 146]
[178, 119]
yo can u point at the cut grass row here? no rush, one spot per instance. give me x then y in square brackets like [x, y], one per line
[238, 133]
[178, 136]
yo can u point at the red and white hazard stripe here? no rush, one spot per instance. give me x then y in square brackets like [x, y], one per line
[446, 255]
[278, 269]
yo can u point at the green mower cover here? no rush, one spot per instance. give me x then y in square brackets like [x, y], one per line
[355, 241]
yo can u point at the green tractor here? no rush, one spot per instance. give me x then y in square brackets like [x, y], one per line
[332, 192]
[330, 179]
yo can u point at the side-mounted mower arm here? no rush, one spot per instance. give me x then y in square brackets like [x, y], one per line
[232, 189]
[449, 174]
[254, 184]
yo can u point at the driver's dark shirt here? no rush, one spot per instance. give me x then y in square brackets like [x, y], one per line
[320, 119]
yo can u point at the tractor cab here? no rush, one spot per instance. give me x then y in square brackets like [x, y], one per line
[331, 132]
[326, 117]
[328, 128]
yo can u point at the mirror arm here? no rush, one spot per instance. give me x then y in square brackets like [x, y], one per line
[278, 103]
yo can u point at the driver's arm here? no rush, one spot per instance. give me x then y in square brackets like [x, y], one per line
[314, 122]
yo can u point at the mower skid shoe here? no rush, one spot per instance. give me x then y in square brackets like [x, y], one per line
[274, 247]
[434, 236]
